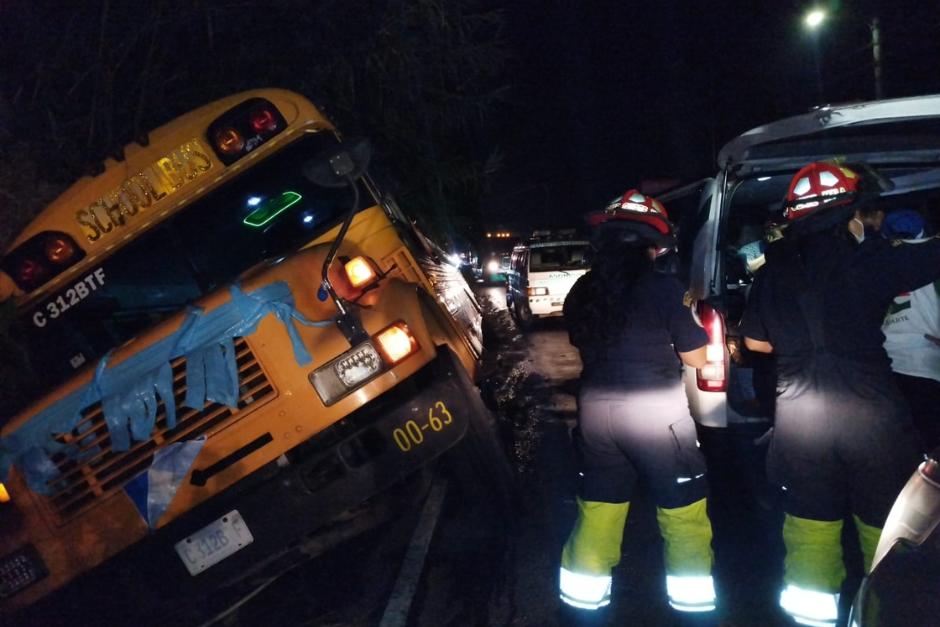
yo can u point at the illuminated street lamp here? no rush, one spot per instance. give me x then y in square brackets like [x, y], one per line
[814, 18]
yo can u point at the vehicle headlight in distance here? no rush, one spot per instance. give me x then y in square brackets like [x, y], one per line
[492, 266]
[915, 513]
[348, 371]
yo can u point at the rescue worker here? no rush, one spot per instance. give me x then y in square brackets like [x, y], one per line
[843, 440]
[632, 330]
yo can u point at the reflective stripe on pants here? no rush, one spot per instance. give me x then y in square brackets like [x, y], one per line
[810, 607]
[593, 549]
[813, 570]
[687, 547]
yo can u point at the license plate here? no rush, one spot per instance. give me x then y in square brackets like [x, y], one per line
[214, 542]
[557, 303]
[417, 430]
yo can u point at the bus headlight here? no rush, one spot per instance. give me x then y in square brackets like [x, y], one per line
[358, 365]
[355, 367]
[348, 371]
[20, 569]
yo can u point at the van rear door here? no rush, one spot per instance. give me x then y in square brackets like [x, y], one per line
[553, 269]
[696, 209]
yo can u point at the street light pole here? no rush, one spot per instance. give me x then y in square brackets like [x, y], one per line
[814, 19]
[875, 26]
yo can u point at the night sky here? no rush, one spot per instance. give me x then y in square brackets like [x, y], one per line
[608, 94]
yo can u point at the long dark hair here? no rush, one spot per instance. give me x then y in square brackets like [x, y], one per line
[616, 268]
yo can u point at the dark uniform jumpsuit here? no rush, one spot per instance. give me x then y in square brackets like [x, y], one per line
[635, 424]
[843, 438]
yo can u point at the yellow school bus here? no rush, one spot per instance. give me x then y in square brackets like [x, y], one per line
[232, 346]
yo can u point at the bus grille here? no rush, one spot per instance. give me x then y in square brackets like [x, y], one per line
[99, 472]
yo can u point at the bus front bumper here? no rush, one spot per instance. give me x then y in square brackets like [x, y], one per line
[337, 471]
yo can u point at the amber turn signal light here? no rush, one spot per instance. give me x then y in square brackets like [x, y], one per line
[229, 141]
[4, 494]
[396, 342]
[59, 250]
[360, 272]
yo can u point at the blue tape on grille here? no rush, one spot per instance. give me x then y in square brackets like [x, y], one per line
[130, 391]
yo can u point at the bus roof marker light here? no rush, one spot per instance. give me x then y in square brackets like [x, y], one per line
[263, 120]
[229, 141]
[271, 208]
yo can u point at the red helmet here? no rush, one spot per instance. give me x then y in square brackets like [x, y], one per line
[639, 214]
[819, 185]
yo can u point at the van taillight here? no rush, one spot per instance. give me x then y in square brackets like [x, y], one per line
[40, 258]
[243, 128]
[713, 377]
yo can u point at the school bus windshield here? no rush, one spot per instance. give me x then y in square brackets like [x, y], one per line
[269, 211]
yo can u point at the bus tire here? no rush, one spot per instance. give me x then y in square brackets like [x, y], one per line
[481, 469]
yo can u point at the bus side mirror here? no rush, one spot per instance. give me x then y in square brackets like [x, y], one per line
[336, 166]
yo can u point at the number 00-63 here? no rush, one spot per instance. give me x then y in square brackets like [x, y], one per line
[412, 434]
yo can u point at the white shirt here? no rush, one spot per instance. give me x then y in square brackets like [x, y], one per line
[910, 316]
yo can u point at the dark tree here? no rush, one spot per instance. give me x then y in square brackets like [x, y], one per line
[422, 78]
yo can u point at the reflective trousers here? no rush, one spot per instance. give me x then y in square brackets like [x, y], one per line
[625, 436]
[843, 444]
[593, 550]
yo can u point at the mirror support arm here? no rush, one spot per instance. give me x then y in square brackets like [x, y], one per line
[346, 320]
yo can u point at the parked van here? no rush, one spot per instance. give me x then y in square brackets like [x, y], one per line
[724, 222]
[542, 271]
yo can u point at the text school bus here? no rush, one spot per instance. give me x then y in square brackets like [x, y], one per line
[230, 341]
